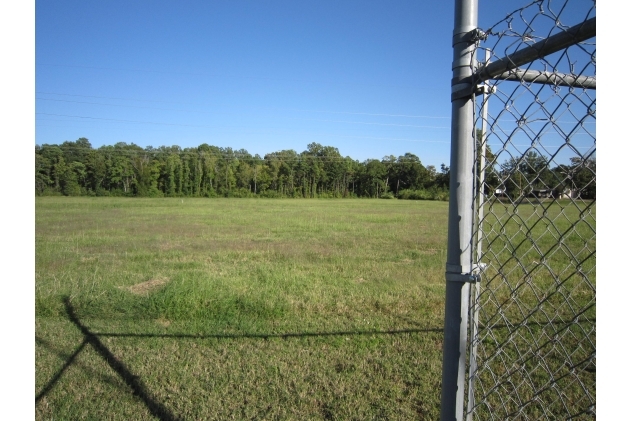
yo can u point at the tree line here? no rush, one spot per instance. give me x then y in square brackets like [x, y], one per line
[78, 169]
[531, 175]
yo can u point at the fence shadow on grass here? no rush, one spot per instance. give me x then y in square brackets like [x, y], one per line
[69, 361]
[266, 336]
[156, 408]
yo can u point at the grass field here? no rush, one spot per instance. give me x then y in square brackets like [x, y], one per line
[302, 309]
[239, 308]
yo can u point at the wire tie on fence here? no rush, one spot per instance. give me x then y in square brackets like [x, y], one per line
[471, 37]
[477, 35]
[485, 89]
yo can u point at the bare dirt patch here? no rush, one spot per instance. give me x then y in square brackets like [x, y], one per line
[144, 288]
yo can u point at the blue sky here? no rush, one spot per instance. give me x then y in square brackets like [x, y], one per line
[371, 78]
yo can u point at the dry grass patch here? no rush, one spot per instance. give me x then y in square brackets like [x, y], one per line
[145, 288]
[163, 322]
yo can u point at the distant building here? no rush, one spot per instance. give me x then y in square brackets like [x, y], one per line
[569, 194]
[543, 193]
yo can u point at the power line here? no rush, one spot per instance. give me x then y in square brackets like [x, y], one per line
[152, 122]
[314, 134]
[290, 118]
[273, 108]
[125, 121]
[226, 76]
[299, 157]
[298, 133]
[109, 97]
[157, 150]
[271, 156]
[544, 121]
[334, 135]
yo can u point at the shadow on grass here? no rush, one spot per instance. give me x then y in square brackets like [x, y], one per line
[113, 381]
[268, 335]
[157, 409]
[56, 377]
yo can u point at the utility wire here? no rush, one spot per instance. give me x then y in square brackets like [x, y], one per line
[214, 112]
[542, 121]
[227, 76]
[283, 109]
[150, 122]
[268, 157]
[333, 135]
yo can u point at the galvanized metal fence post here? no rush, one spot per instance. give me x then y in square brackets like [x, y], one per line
[475, 309]
[459, 268]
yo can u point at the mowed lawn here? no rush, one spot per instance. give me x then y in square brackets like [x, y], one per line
[203, 309]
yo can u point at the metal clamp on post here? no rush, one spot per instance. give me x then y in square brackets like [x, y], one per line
[462, 277]
[464, 87]
[473, 277]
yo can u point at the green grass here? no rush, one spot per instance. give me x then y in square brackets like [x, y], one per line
[252, 309]
[302, 309]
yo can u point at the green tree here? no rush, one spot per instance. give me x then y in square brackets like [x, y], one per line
[372, 178]
[412, 172]
[76, 151]
[579, 177]
[442, 179]
[43, 170]
[70, 176]
[121, 172]
[522, 175]
[96, 171]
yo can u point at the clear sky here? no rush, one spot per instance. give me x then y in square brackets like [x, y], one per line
[371, 78]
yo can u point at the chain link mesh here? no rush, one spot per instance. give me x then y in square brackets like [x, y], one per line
[533, 313]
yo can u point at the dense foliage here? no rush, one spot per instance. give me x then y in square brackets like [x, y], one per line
[75, 169]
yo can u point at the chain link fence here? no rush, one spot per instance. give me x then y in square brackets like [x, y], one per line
[531, 313]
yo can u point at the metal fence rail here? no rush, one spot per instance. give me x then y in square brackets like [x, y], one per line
[520, 323]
